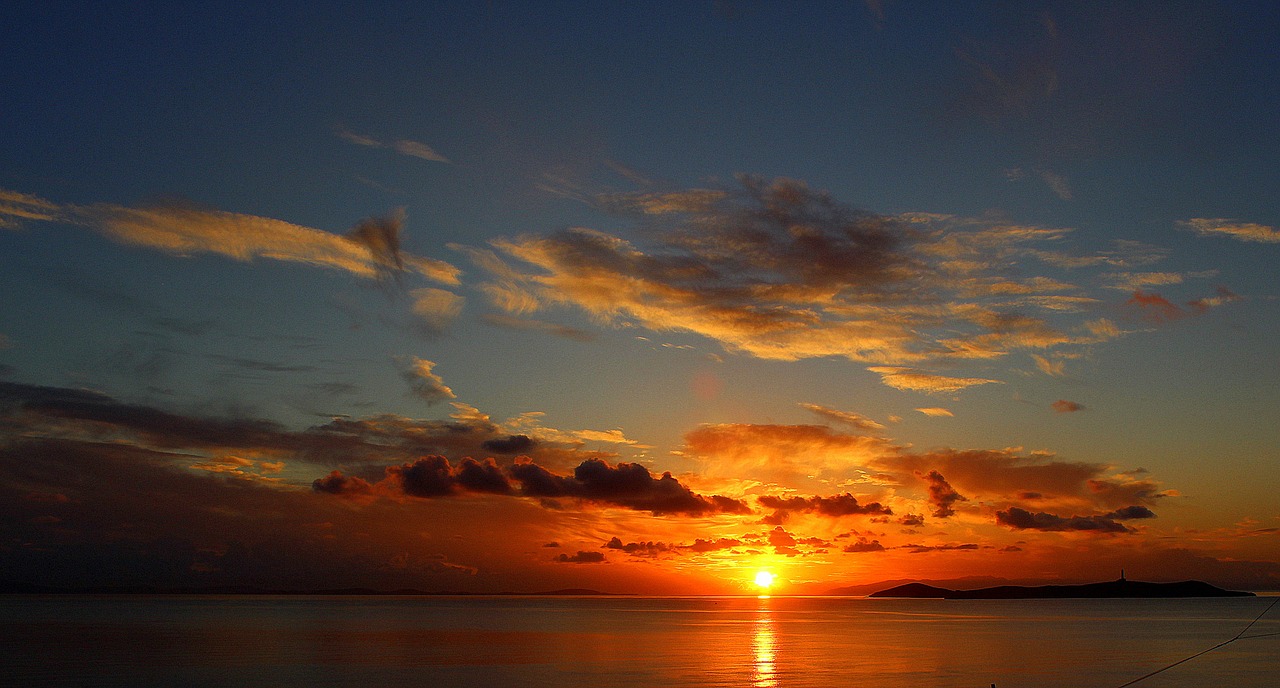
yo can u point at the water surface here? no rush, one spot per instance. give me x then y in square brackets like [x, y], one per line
[625, 641]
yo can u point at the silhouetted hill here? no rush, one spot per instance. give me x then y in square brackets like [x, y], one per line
[966, 583]
[1110, 589]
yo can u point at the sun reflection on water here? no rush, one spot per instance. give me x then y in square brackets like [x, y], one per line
[764, 645]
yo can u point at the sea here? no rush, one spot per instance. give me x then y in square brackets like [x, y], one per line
[603, 641]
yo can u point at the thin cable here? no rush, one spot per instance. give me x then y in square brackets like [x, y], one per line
[1239, 636]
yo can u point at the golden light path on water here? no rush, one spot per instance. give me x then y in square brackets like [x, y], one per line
[764, 644]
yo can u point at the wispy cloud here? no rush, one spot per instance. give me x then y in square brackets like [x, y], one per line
[371, 250]
[539, 326]
[1064, 406]
[776, 270]
[920, 381]
[436, 308]
[853, 420]
[936, 412]
[408, 147]
[424, 383]
[417, 149]
[1244, 231]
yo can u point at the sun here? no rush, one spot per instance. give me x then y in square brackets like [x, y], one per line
[764, 580]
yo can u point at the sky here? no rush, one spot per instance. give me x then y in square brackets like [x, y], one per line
[638, 297]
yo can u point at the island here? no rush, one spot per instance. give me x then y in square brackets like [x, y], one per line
[1110, 589]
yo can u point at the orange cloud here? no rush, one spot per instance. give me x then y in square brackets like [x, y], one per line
[1064, 406]
[776, 270]
[1244, 231]
[919, 381]
[372, 249]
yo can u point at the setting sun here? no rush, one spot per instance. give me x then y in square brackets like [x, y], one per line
[764, 579]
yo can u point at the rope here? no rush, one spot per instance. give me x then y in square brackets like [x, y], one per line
[1239, 636]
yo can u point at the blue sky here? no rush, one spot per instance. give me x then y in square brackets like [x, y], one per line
[1054, 222]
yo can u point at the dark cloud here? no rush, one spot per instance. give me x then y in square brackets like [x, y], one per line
[381, 236]
[629, 485]
[581, 558]
[511, 444]
[864, 545]
[1064, 406]
[1130, 513]
[920, 549]
[700, 546]
[941, 494]
[341, 442]
[482, 476]
[102, 413]
[129, 515]
[638, 549]
[1021, 519]
[338, 484]
[430, 476]
[261, 366]
[834, 506]
[911, 520]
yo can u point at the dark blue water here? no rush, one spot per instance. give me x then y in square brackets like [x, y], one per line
[521, 641]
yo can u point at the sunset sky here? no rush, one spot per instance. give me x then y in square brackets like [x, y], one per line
[638, 297]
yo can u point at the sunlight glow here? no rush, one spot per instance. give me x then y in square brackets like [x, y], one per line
[764, 580]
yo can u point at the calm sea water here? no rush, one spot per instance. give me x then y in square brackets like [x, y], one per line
[441, 642]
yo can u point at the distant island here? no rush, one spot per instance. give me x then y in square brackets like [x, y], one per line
[1111, 589]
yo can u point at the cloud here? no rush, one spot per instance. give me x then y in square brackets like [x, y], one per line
[853, 420]
[425, 384]
[776, 270]
[1057, 183]
[526, 324]
[341, 442]
[358, 139]
[834, 506]
[1064, 406]
[941, 494]
[864, 545]
[638, 549]
[1137, 281]
[629, 485]
[408, 147]
[778, 453]
[1154, 307]
[609, 436]
[417, 149]
[700, 546]
[432, 476]
[1021, 519]
[1221, 297]
[1130, 512]
[344, 485]
[16, 207]
[436, 308]
[918, 381]
[1244, 231]
[512, 444]
[936, 412]
[921, 549]
[1048, 367]
[372, 250]
[581, 558]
